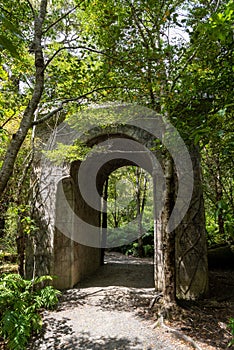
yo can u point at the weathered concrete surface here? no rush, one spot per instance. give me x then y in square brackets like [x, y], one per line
[191, 247]
[54, 247]
[72, 261]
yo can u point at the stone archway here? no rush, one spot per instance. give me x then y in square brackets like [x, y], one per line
[67, 243]
[71, 259]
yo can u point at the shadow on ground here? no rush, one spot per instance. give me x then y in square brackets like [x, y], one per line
[207, 320]
[122, 271]
[62, 337]
[124, 284]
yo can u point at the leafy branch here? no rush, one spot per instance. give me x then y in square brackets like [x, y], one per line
[73, 99]
[61, 18]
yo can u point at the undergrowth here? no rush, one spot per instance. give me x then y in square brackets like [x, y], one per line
[20, 303]
[231, 326]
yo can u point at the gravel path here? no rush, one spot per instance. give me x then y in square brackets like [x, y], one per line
[109, 310]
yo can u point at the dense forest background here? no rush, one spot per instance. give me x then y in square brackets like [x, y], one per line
[58, 58]
[175, 57]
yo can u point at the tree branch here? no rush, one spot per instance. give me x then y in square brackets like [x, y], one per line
[61, 18]
[138, 26]
[140, 22]
[183, 68]
[72, 48]
[89, 93]
[216, 6]
[60, 108]
[4, 10]
[31, 7]
[47, 116]
[8, 119]
[42, 13]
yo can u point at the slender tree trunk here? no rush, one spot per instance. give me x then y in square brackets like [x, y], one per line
[26, 123]
[219, 197]
[4, 204]
[2, 224]
[140, 210]
[169, 291]
[20, 243]
[104, 221]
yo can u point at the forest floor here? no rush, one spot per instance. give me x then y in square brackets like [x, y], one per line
[113, 310]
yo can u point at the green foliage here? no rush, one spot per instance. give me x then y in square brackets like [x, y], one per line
[27, 224]
[217, 164]
[222, 23]
[20, 302]
[8, 241]
[17, 221]
[141, 52]
[67, 153]
[122, 235]
[231, 326]
[133, 248]
[6, 42]
[148, 250]
[123, 188]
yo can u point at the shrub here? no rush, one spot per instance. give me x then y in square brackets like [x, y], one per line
[20, 302]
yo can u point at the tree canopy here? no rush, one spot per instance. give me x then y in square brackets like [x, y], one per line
[175, 57]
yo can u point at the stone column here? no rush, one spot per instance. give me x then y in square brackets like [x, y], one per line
[190, 243]
[63, 257]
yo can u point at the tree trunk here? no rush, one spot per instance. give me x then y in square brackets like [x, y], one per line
[141, 194]
[104, 221]
[139, 214]
[219, 197]
[3, 210]
[26, 123]
[20, 242]
[169, 290]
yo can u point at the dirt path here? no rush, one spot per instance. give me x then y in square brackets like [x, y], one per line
[109, 310]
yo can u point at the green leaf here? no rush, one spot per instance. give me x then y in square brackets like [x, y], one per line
[7, 44]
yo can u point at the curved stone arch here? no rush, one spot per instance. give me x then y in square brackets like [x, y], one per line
[97, 133]
[130, 132]
[85, 211]
[65, 176]
[122, 144]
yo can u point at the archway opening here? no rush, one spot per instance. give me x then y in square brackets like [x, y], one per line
[127, 227]
[93, 228]
[127, 212]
